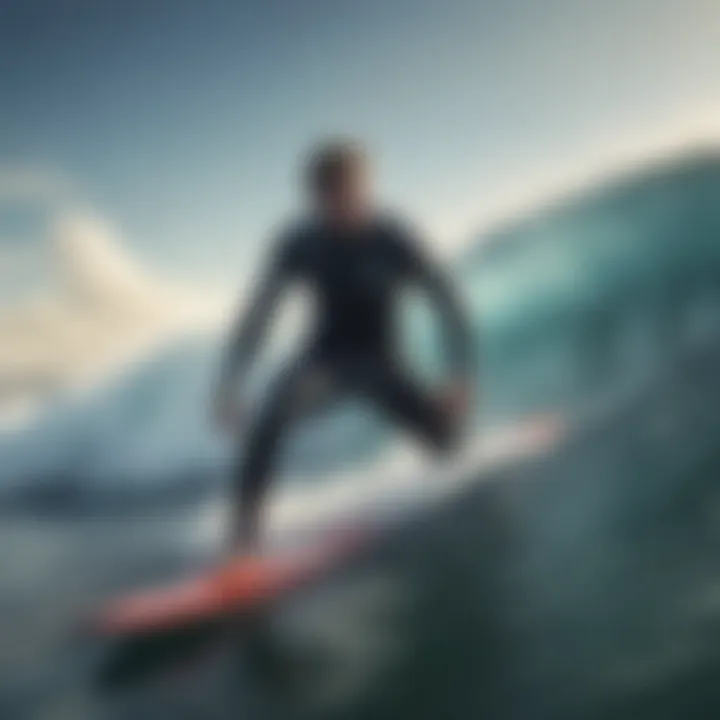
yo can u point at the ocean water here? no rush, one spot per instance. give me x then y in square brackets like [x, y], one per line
[576, 578]
[579, 583]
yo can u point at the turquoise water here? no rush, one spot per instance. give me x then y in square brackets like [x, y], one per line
[580, 585]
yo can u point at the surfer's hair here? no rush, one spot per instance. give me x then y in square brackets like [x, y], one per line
[331, 162]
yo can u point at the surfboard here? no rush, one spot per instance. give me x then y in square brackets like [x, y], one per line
[237, 587]
[245, 584]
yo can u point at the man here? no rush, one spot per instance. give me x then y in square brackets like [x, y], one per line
[355, 261]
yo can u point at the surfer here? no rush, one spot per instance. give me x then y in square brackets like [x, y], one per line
[355, 260]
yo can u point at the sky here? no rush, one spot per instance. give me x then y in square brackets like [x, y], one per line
[149, 147]
[183, 121]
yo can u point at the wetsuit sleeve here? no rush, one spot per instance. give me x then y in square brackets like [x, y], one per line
[249, 330]
[435, 282]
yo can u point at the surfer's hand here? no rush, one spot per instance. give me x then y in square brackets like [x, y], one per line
[455, 398]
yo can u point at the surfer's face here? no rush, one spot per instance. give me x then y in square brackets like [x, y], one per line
[347, 201]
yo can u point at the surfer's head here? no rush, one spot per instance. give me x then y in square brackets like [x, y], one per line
[338, 180]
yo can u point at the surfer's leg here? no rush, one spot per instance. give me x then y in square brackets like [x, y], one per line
[303, 388]
[413, 407]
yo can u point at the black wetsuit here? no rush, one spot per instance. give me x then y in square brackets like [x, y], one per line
[356, 278]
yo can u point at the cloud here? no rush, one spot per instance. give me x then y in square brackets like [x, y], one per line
[15, 260]
[99, 309]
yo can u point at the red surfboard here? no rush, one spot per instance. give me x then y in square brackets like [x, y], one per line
[237, 587]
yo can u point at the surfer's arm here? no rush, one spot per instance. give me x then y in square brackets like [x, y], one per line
[458, 337]
[249, 330]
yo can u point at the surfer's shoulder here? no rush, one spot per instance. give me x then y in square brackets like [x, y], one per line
[398, 233]
[293, 239]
